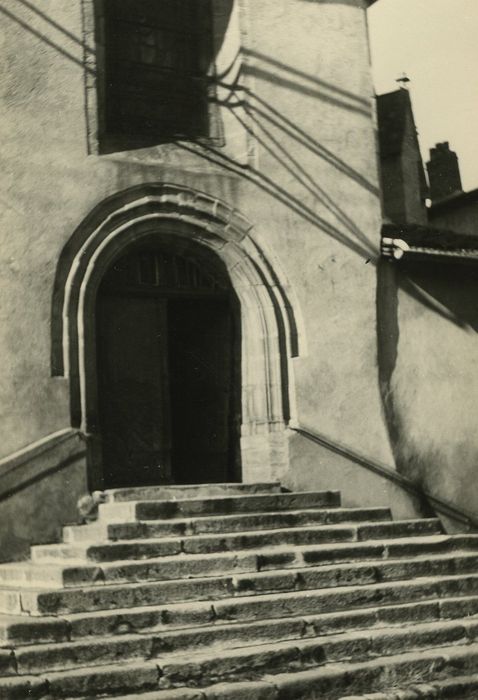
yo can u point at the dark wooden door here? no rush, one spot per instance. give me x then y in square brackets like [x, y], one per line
[201, 375]
[167, 396]
[133, 390]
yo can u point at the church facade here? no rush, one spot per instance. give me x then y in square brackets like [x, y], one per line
[191, 223]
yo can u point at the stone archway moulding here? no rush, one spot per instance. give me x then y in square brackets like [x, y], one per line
[269, 331]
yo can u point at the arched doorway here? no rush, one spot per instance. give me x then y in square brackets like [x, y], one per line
[268, 324]
[168, 367]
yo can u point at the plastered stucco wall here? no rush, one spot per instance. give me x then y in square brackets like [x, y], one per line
[299, 162]
[428, 324]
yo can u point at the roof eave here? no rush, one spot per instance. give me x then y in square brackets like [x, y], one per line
[401, 241]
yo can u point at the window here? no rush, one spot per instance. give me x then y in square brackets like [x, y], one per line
[158, 60]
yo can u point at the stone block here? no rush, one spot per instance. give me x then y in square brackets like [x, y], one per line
[280, 581]
[115, 623]
[406, 528]
[341, 621]
[325, 577]
[350, 645]
[170, 694]
[413, 612]
[24, 630]
[343, 553]
[92, 652]
[415, 637]
[178, 567]
[457, 585]
[15, 688]
[10, 602]
[55, 553]
[275, 560]
[134, 550]
[317, 684]
[457, 607]
[256, 690]
[231, 504]
[7, 662]
[91, 682]
[242, 663]
[138, 530]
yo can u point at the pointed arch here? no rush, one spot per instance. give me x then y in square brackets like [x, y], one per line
[269, 329]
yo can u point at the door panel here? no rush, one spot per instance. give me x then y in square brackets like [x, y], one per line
[201, 382]
[133, 390]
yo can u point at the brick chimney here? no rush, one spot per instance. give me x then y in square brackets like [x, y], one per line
[443, 172]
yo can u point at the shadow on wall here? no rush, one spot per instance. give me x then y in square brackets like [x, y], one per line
[282, 139]
[278, 135]
[427, 321]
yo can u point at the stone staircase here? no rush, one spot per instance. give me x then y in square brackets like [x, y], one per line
[238, 592]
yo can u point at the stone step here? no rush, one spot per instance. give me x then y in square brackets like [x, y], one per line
[221, 524]
[458, 687]
[316, 578]
[308, 602]
[328, 680]
[189, 618]
[217, 505]
[65, 574]
[54, 575]
[43, 602]
[395, 671]
[169, 492]
[248, 690]
[248, 647]
[196, 544]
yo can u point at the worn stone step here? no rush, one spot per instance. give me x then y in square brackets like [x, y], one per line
[169, 492]
[372, 549]
[249, 690]
[38, 601]
[23, 688]
[65, 574]
[328, 680]
[338, 575]
[458, 687]
[196, 544]
[184, 615]
[259, 646]
[341, 598]
[241, 580]
[217, 505]
[221, 524]
[332, 681]
[187, 617]
[202, 668]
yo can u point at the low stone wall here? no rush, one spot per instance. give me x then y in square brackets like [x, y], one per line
[39, 488]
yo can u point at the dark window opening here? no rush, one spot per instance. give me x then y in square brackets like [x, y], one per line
[158, 61]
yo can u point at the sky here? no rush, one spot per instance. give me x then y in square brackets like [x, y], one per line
[435, 42]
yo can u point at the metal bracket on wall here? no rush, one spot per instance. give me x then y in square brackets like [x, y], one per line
[394, 248]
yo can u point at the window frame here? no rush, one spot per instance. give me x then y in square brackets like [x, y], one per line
[101, 140]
